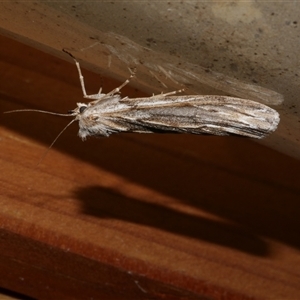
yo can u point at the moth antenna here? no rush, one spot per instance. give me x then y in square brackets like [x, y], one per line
[41, 111]
[50, 113]
[46, 152]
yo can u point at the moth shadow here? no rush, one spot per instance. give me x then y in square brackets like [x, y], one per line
[106, 203]
[232, 179]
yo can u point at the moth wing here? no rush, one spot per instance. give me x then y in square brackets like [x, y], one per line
[216, 115]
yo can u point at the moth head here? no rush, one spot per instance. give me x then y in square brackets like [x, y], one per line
[81, 107]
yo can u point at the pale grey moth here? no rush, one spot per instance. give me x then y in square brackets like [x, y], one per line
[196, 114]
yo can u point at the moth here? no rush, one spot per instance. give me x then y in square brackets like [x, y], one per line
[208, 114]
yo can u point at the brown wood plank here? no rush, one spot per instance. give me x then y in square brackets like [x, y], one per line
[135, 216]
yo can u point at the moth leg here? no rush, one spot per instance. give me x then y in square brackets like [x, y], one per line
[162, 95]
[81, 78]
[100, 90]
[117, 90]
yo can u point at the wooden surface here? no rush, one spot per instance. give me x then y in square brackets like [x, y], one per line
[135, 216]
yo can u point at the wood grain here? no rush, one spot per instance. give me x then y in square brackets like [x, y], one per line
[135, 216]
